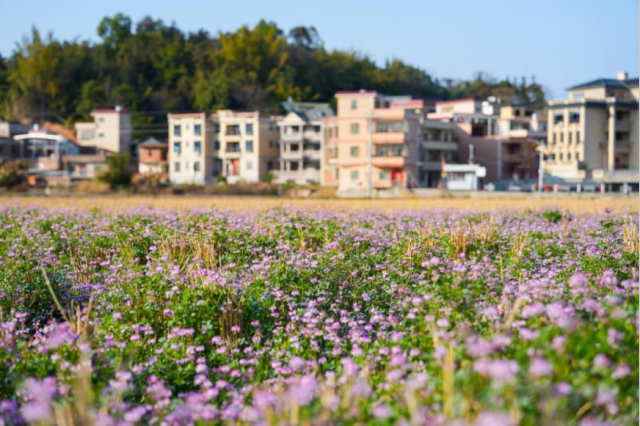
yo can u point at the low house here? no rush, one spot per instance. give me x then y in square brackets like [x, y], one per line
[152, 156]
[462, 177]
[84, 166]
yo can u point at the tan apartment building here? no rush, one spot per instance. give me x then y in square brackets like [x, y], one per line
[110, 131]
[246, 144]
[302, 139]
[594, 133]
[192, 156]
[520, 131]
[377, 143]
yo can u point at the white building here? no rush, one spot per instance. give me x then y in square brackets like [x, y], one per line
[192, 156]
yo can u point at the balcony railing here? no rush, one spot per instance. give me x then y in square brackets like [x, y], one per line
[232, 131]
[232, 149]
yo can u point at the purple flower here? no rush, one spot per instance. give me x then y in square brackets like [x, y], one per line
[540, 367]
[381, 411]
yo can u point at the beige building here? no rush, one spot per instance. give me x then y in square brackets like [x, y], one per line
[368, 120]
[110, 131]
[302, 139]
[520, 131]
[594, 133]
[246, 144]
[192, 156]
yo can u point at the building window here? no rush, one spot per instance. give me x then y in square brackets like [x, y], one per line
[569, 156]
[354, 128]
[197, 147]
[101, 135]
[101, 120]
[574, 117]
[570, 137]
[176, 147]
[355, 151]
[270, 144]
[561, 156]
[249, 165]
[269, 165]
[384, 175]
[554, 138]
[248, 146]
[176, 166]
[558, 118]
[196, 166]
[354, 104]
[578, 96]
[354, 175]
[176, 130]
[561, 137]
[216, 145]
[249, 129]
[577, 137]
[197, 129]
[216, 128]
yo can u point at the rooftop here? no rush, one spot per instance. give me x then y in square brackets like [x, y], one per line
[607, 83]
[152, 143]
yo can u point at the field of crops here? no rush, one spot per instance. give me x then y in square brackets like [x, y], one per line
[318, 316]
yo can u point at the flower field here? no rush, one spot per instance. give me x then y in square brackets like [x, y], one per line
[313, 316]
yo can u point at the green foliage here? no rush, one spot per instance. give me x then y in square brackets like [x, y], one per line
[12, 173]
[156, 67]
[118, 173]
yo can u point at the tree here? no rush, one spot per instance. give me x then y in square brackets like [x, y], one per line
[118, 173]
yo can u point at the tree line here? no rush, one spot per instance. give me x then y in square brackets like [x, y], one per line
[153, 67]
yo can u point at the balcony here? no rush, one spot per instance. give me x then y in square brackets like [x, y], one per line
[291, 155]
[388, 161]
[623, 146]
[232, 149]
[514, 158]
[312, 154]
[431, 165]
[623, 125]
[440, 145]
[388, 137]
[232, 131]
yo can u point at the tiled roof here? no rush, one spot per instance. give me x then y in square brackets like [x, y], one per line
[607, 82]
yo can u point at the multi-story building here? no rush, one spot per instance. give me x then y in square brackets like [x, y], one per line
[438, 144]
[192, 155]
[246, 143]
[594, 133]
[302, 138]
[520, 131]
[110, 131]
[377, 143]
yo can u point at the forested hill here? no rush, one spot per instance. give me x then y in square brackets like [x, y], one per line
[152, 68]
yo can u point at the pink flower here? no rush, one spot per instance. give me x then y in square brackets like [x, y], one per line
[540, 367]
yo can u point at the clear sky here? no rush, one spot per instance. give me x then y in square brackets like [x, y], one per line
[561, 42]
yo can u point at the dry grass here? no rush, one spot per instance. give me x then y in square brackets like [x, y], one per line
[585, 204]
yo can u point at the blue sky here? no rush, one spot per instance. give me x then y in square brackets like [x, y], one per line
[561, 42]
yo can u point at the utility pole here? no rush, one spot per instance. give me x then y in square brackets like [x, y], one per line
[370, 157]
